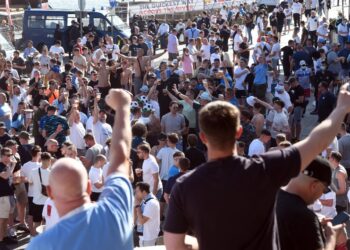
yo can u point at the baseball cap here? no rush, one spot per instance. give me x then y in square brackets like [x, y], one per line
[279, 87]
[319, 169]
[2, 125]
[205, 96]
[302, 63]
[250, 100]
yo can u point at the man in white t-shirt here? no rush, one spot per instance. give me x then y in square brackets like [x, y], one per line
[240, 74]
[312, 25]
[257, 146]
[150, 169]
[237, 40]
[322, 33]
[297, 8]
[50, 214]
[39, 179]
[101, 129]
[275, 54]
[205, 49]
[147, 212]
[57, 49]
[26, 171]
[95, 176]
[328, 201]
[283, 95]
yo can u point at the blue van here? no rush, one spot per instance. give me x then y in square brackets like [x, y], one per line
[39, 25]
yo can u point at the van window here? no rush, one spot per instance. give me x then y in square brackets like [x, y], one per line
[100, 24]
[52, 21]
[37, 22]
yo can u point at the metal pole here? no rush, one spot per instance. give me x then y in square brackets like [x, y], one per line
[81, 23]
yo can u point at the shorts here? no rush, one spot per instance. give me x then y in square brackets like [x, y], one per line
[274, 63]
[296, 116]
[160, 192]
[307, 93]
[37, 212]
[5, 207]
[21, 194]
[240, 93]
[173, 56]
[30, 206]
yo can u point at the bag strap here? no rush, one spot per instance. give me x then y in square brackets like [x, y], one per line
[147, 200]
[41, 181]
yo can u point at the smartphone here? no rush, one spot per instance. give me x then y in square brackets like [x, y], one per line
[340, 218]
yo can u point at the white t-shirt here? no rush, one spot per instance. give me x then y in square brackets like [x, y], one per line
[296, 8]
[276, 48]
[152, 226]
[288, 13]
[50, 214]
[38, 197]
[167, 160]
[15, 100]
[76, 136]
[115, 49]
[343, 29]
[237, 41]
[329, 212]
[26, 171]
[95, 175]
[322, 31]
[150, 167]
[256, 147]
[285, 98]
[240, 80]
[214, 56]
[205, 51]
[58, 50]
[312, 23]
[279, 122]
[101, 132]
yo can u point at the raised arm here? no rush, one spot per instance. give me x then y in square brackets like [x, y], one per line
[324, 133]
[120, 100]
[182, 96]
[265, 104]
[158, 55]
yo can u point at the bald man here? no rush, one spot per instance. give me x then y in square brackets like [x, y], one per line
[106, 224]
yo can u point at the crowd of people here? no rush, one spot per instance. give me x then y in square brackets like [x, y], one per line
[106, 140]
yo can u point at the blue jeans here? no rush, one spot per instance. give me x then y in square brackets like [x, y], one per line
[342, 40]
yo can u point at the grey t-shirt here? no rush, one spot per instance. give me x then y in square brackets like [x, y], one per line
[344, 145]
[92, 152]
[173, 123]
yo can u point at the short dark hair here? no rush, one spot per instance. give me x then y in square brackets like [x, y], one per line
[145, 147]
[173, 138]
[184, 163]
[89, 136]
[192, 140]
[67, 143]
[5, 151]
[219, 116]
[46, 156]
[143, 186]
[265, 132]
[139, 130]
[10, 143]
[35, 150]
[336, 156]
[178, 154]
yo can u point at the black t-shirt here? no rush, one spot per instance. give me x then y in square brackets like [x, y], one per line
[24, 152]
[93, 83]
[326, 104]
[229, 203]
[323, 76]
[195, 156]
[295, 93]
[245, 54]
[298, 227]
[171, 182]
[115, 78]
[3, 83]
[133, 49]
[5, 188]
[287, 52]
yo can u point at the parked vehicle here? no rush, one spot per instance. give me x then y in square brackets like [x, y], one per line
[39, 25]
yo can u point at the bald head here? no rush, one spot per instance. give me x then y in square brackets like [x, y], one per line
[68, 184]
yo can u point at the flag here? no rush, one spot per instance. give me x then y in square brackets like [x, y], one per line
[8, 10]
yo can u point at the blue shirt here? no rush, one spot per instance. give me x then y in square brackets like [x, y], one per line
[260, 71]
[173, 171]
[105, 225]
[5, 110]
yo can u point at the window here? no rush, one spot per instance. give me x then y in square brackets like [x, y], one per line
[36, 22]
[100, 24]
[52, 21]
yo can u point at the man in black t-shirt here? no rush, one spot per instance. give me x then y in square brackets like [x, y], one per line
[296, 93]
[6, 191]
[326, 101]
[293, 215]
[287, 58]
[196, 199]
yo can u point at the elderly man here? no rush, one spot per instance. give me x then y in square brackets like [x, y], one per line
[70, 190]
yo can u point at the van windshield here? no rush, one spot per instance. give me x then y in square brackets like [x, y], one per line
[5, 44]
[117, 22]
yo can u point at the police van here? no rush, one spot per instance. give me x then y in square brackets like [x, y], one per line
[39, 25]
